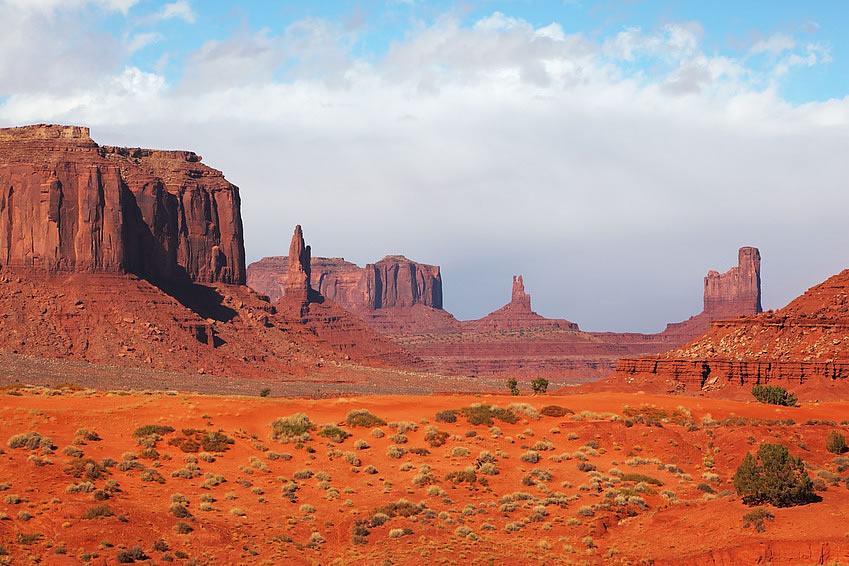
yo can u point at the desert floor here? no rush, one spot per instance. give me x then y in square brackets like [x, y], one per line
[617, 479]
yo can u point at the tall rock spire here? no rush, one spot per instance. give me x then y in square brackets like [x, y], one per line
[738, 290]
[298, 280]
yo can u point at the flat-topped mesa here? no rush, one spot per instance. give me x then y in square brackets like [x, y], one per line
[738, 290]
[45, 132]
[517, 314]
[70, 205]
[297, 287]
[394, 281]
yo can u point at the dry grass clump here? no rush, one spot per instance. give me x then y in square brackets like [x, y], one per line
[524, 409]
[395, 452]
[87, 468]
[402, 427]
[377, 433]
[294, 428]
[31, 441]
[481, 414]
[303, 474]
[435, 437]
[334, 433]
[97, 512]
[460, 451]
[363, 418]
[467, 475]
[360, 444]
[531, 456]
[641, 478]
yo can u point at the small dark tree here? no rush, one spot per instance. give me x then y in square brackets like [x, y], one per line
[265, 392]
[773, 477]
[774, 395]
[835, 442]
[513, 386]
[539, 385]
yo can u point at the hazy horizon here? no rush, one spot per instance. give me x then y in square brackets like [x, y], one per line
[612, 153]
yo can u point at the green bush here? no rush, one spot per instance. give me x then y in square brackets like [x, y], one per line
[334, 433]
[294, 428]
[539, 385]
[513, 386]
[773, 477]
[637, 478]
[478, 414]
[147, 430]
[449, 416]
[774, 395]
[835, 442]
[265, 392]
[363, 418]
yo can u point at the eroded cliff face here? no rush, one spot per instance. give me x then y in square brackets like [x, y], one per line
[70, 205]
[804, 346]
[394, 281]
[738, 290]
[733, 293]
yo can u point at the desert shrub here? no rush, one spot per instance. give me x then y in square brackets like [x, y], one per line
[774, 476]
[85, 467]
[513, 386]
[334, 433]
[756, 517]
[152, 429]
[85, 434]
[435, 437]
[586, 511]
[179, 510]
[462, 476]
[303, 474]
[524, 409]
[539, 385]
[360, 444]
[97, 512]
[371, 470]
[363, 418]
[352, 458]
[160, 546]
[265, 392]
[403, 426]
[449, 416]
[30, 441]
[183, 528]
[460, 451]
[480, 414]
[555, 411]
[400, 508]
[395, 452]
[641, 478]
[377, 433]
[294, 428]
[488, 469]
[705, 488]
[774, 395]
[835, 442]
[152, 475]
[531, 456]
[398, 439]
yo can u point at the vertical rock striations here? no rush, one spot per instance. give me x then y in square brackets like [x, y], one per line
[70, 205]
[738, 290]
[297, 288]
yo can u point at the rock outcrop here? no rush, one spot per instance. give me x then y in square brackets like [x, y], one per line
[804, 346]
[733, 293]
[69, 205]
[517, 315]
[297, 287]
[394, 281]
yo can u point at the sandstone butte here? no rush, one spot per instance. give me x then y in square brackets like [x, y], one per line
[403, 300]
[135, 257]
[803, 347]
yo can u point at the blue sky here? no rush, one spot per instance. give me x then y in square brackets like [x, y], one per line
[611, 152]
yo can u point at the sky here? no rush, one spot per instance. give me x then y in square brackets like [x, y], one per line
[612, 152]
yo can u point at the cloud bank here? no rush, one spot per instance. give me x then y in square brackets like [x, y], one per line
[612, 171]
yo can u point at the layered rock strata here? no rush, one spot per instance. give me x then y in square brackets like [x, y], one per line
[69, 205]
[804, 346]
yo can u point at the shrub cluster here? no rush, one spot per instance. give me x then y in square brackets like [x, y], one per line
[774, 477]
[774, 395]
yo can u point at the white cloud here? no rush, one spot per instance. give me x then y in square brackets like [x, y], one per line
[775, 44]
[498, 149]
[181, 9]
[142, 40]
[49, 6]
